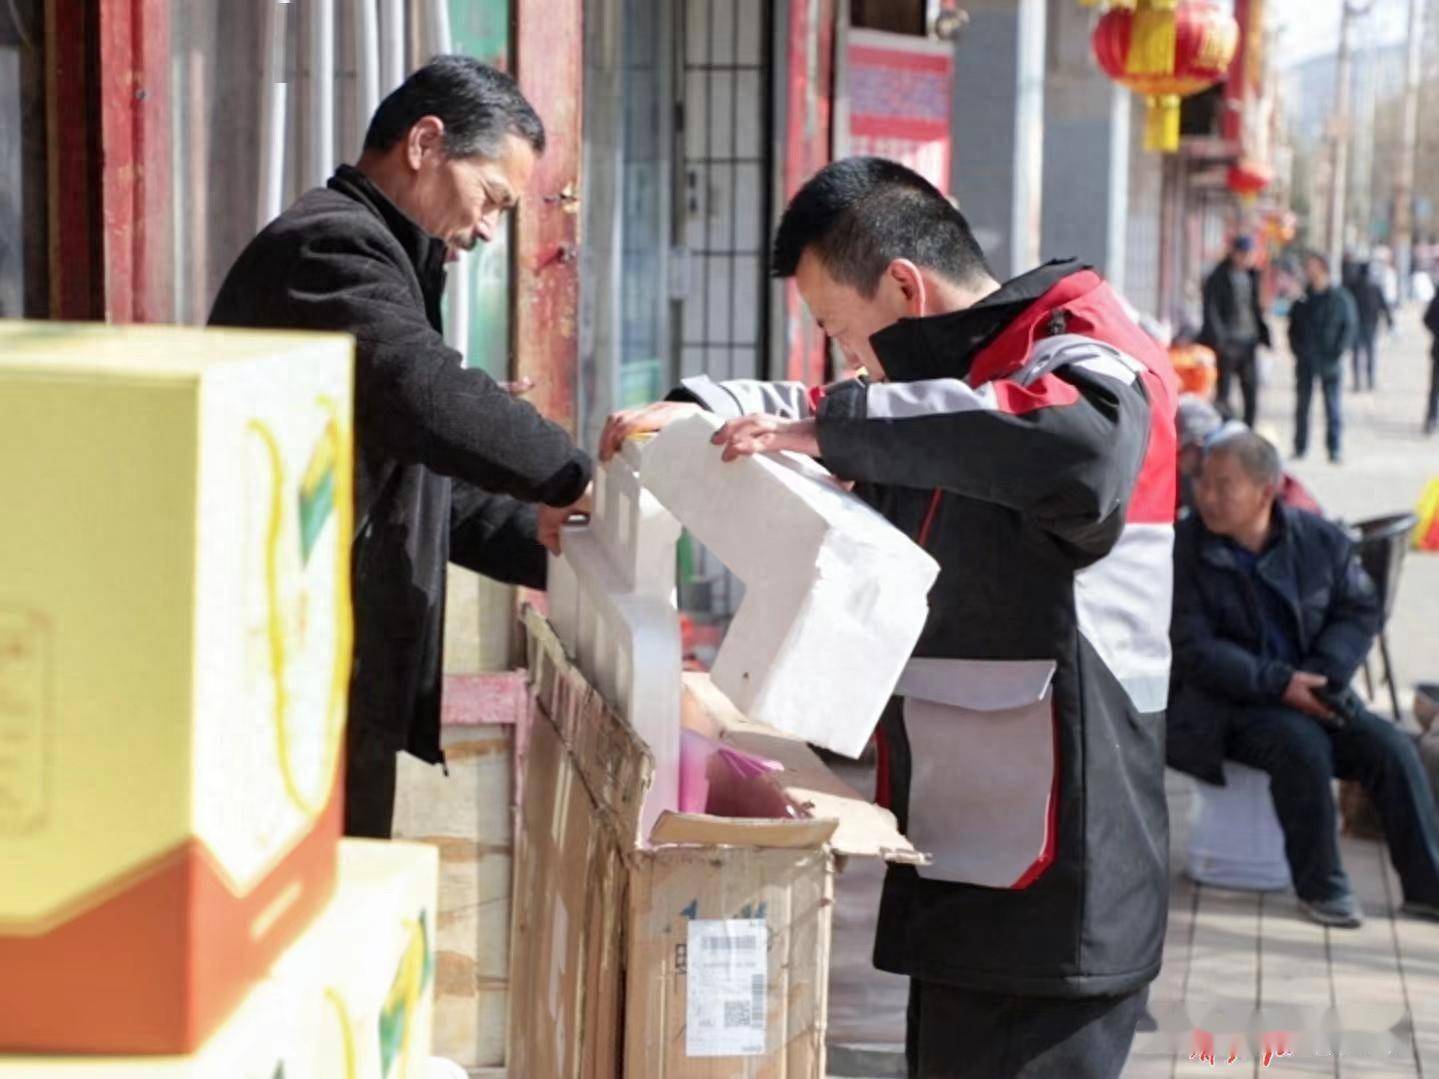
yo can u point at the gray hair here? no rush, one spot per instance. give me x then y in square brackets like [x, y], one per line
[478, 104]
[1255, 454]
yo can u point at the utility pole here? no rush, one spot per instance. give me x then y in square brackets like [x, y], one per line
[1343, 110]
[1408, 146]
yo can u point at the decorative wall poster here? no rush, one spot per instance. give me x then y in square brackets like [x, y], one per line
[898, 92]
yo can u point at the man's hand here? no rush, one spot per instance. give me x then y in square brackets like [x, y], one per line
[641, 421]
[766, 434]
[1300, 695]
[552, 520]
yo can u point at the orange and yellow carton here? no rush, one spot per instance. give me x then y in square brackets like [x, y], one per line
[174, 662]
[351, 999]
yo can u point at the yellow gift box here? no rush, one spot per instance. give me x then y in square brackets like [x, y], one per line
[370, 963]
[351, 999]
[174, 660]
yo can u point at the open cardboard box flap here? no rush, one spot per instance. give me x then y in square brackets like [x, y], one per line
[820, 806]
[803, 805]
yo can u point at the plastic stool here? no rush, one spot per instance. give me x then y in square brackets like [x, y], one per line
[1234, 836]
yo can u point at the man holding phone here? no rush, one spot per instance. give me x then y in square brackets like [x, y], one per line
[1272, 616]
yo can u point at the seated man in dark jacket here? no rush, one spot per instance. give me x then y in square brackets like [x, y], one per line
[1272, 616]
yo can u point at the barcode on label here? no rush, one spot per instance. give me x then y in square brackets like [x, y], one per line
[731, 944]
[726, 987]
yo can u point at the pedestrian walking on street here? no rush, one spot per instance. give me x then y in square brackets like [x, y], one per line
[1372, 305]
[1322, 327]
[1234, 326]
[1431, 323]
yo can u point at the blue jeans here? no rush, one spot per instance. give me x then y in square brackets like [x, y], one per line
[1306, 373]
[1301, 758]
[966, 1034]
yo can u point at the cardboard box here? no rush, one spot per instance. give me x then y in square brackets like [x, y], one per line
[351, 999]
[610, 936]
[174, 663]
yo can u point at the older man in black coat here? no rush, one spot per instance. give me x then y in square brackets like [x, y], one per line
[1272, 616]
[448, 466]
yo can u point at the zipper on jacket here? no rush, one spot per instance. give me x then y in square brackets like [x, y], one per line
[924, 530]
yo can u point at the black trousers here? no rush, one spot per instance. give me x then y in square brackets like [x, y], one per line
[963, 1034]
[1305, 375]
[1302, 757]
[1239, 363]
[1365, 346]
[370, 771]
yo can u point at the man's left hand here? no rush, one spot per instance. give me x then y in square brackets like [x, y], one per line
[767, 434]
[552, 520]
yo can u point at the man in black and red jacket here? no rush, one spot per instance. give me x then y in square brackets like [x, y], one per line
[1024, 434]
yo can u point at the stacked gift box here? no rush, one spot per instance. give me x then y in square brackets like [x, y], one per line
[174, 663]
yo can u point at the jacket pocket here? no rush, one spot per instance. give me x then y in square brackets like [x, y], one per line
[983, 767]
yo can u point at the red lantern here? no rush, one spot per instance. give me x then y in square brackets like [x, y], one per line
[1165, 50]
[1248, 178]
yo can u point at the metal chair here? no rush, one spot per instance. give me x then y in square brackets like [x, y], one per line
[1380, 545]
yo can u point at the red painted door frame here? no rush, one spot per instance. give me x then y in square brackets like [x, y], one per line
[809, 142]
[108, 124]
[548, 54]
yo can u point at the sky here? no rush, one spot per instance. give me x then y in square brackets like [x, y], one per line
[1311, 27]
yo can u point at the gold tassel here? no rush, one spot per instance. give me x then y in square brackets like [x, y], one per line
[1161, 123]
[1152, 38]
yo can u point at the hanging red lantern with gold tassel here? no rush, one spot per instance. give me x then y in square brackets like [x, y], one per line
[1165, 50]
[1248, 179]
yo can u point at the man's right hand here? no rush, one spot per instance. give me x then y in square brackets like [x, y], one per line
[1301, 696]
[641, 421]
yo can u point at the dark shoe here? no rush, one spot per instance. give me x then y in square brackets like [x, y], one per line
[1341, 912]
[1418, 909]
[1336, 458]
[1298, 455]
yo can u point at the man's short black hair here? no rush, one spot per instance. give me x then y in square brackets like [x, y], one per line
[861, 213]
[1255, 454]
[1319, 257]
[478, 104]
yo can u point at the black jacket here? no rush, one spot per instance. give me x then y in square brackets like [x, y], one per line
[1219, 663]
[443, 455]
[1431, 323]
[1371, 304]
[1322, 328]
[1219, 310]
[1028, 443]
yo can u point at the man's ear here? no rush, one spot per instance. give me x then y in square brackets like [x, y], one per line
[426, 137]
[910, 282]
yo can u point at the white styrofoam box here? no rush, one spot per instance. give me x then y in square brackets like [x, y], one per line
[1234, 836]
[611, 601]
[835, 596]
